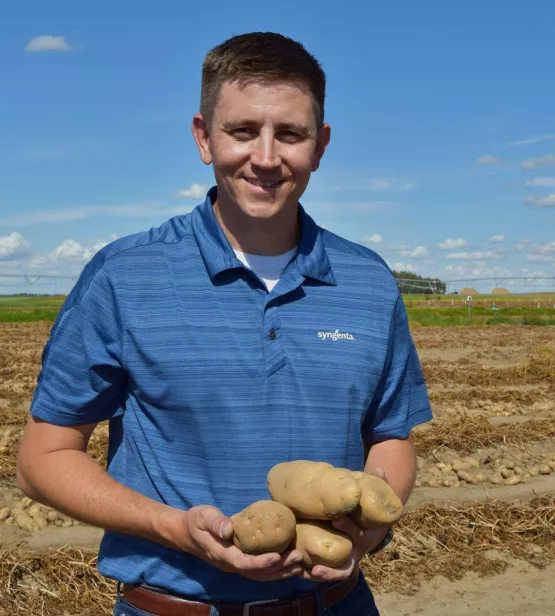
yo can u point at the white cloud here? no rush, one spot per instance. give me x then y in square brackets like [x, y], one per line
[532, 258]
[532, 140]
[497, 238]
[195, 191]
[541, 182]
[488, 160]
[416, 253]
[388, 185]
[486, 255]
[449, 244]
[542, 161]
[548, 201]
[134, 210]
[13, 246]
[48, 43]
[549, 247]
[520, 246]
[68, 249]
[401, 267]
[375, 238]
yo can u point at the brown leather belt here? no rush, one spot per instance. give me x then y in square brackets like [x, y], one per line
[159, 604]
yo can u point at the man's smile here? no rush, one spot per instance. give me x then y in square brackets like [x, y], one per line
[263, 183]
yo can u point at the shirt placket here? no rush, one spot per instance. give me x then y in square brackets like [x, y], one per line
[275, 355]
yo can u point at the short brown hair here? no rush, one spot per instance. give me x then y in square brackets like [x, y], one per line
[259, 57]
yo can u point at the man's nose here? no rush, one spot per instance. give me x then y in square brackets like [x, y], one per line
[266, 152]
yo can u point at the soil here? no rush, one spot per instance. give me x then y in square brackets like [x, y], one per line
[492, 391]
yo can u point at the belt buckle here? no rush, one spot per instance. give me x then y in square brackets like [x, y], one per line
[247, 606]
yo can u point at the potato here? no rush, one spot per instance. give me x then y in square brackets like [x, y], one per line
[321, 544]
[4, 513]
[513, 480]
[264, 526]
[544, 469]
[314, 490]
[379, 505]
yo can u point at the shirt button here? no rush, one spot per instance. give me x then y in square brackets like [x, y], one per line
[272, 335]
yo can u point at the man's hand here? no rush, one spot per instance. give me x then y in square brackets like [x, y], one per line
[364, 541]
[209, 537]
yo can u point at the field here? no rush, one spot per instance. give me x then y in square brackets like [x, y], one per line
[479, 531]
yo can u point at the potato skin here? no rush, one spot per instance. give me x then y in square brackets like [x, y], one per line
[379, 505]
[264, 526]
[321, 544]
[314, 490]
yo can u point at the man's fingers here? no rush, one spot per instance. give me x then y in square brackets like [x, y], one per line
[292, 558]
[350, 528]
[327, 574]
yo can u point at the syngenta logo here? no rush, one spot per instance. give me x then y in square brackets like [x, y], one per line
[336, 335]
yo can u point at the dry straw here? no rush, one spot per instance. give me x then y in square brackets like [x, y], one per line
[447, 540]
[466, 433]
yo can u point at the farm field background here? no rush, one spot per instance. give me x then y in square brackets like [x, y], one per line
[479, 531]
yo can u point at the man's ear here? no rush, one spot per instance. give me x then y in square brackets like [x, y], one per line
[199, 128]
[324, 135]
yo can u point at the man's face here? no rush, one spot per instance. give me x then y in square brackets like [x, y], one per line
[263, 143]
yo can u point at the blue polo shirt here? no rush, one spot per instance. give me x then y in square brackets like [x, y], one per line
[208, 380]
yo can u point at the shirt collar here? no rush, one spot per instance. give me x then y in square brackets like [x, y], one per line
[218, 256]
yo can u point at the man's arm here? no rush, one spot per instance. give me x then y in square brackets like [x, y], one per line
[397, 458]
[53, 468]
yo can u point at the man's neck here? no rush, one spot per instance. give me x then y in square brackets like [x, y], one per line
[268, 237]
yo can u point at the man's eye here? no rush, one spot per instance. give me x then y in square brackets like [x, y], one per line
[289, 135]
[242, 132]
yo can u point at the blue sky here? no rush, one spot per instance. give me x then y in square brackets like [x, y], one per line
[442, 156]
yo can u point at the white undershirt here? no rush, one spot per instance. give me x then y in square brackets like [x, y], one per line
[269, 269]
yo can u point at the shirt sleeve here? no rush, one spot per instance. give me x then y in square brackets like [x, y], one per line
[82, 379]
[401, 399]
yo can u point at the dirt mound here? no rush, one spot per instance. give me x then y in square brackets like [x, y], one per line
[500, 291]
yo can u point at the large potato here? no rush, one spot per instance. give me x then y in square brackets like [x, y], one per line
[264, 526]
[321, 544]
[379, 505]
[314, 490]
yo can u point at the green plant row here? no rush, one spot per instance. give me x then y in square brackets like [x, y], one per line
[22, 309]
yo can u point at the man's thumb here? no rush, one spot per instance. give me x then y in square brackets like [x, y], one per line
[225, 528]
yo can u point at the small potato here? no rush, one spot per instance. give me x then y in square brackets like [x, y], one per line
[468, 477]
[264, 526]
[321, 544]
[534, 471]
[40, 521]
[23, 520]
[544, 469]
[433, 482]
[4, 513]
[34, 510]
[52, 516]
[552, 464]
[507, 472]
[496, 478]
[379, 505]
[513, 480]
[314, 490]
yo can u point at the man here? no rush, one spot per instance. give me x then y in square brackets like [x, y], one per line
[222, 343]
